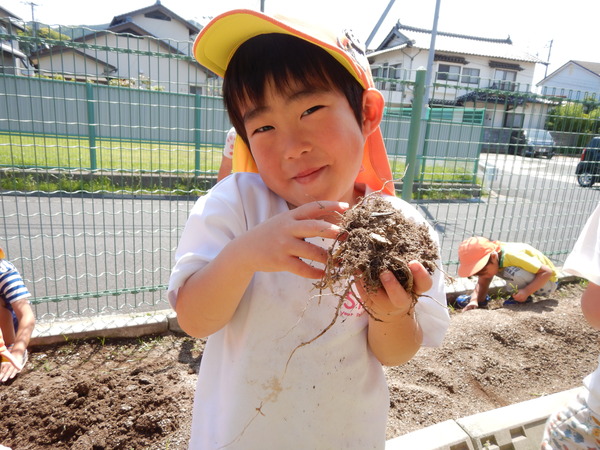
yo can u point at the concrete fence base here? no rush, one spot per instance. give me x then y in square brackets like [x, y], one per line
[514, 427]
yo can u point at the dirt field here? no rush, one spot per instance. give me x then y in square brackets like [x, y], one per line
[137, 393]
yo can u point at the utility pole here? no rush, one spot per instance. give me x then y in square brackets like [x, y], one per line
[383, 16]
[423, 104]
[548, 60]
[262, 6]
[429, 73]
[33, 23]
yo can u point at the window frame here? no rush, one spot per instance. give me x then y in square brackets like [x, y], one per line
[448, 75]
[504, 84]
[473, 77]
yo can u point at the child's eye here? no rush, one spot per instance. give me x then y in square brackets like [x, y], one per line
[312, 110]
[263, 129]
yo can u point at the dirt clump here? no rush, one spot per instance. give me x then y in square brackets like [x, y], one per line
[376, 237]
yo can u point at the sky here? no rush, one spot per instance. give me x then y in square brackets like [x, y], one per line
[554, 31]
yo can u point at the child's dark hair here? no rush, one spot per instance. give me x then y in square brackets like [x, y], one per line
[286, 61]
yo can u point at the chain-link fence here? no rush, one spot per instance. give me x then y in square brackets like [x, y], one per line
[106, 143]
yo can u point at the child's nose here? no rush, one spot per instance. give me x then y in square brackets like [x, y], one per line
[296, 144]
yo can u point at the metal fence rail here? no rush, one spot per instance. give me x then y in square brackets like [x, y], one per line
[98, 172]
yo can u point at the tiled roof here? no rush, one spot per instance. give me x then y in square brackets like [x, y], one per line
[407, 36]
[158, 8]
[591, 66]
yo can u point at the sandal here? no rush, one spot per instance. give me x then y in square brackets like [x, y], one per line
[512, 301]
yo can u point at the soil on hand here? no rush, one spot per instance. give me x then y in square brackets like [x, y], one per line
[375, 237]
[137, 393]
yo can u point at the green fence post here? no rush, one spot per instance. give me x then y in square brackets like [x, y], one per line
[197, 111]
[413, 136]
[91, 125]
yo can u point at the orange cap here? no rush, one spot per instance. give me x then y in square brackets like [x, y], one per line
[474, 253]
[2, 255]
[221, 37]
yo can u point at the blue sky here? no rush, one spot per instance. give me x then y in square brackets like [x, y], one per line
[531, 24]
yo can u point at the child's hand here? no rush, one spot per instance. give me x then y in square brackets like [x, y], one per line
[393, 301]
[520, 295]
[473, 304]
[9, 363]
[279, 243]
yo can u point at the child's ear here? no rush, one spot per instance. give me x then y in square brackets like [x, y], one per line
[372, 105]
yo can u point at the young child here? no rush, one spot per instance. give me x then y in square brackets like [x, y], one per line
[526, 270]
[303, 104]
[17, 319]
[578, 425]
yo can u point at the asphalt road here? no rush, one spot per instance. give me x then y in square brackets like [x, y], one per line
[71, 247]
[526, 199]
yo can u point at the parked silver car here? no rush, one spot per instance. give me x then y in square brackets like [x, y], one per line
[532, 142]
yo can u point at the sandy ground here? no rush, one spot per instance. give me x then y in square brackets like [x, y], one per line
[137, 393]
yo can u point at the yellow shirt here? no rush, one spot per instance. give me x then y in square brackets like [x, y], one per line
[524, 256]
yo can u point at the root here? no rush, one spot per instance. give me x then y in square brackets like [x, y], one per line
[341, 298]
[374, 237]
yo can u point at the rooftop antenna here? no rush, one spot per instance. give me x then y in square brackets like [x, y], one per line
[379, 22]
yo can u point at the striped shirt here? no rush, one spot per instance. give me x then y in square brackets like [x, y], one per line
[12, 287]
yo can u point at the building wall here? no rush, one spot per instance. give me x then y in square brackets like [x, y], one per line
[165, 29]
[410, 59]
[134, 59]
[572, 82]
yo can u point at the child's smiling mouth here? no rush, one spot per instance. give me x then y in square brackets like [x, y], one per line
[306, 176]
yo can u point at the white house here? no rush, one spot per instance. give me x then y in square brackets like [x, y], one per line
[148, 47]
[12, 60]
[466, 70]
[575, 80]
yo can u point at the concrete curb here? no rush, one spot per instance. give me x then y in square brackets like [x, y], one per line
[114, 326]
[162, 321]
[519, 427]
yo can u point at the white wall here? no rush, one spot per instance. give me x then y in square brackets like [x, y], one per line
[572, 82]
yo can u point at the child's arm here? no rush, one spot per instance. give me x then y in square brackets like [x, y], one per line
[394, 335]
[8, 356]
[482, 288]
[208, 299]
[541, 278]
[590, 305]
[26, 319]
[479, 292]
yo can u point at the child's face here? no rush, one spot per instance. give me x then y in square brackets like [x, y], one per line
[491, 268]
[307, 144]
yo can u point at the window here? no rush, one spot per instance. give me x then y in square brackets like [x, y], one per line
[441, 114]
[387, 73]
[448, 73]
[473, 116]
[505, 80]
[470, 76]
[514, 120]
[195, 89]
